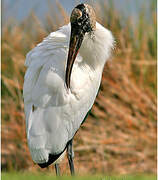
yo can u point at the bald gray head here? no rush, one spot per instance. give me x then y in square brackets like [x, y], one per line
[83, 18]
[82, 21]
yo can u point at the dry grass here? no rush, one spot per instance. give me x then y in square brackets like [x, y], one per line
[119, 135]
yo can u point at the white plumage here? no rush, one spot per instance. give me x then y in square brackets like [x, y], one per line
[54, 113]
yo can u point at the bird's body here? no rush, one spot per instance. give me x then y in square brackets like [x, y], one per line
[54, 112]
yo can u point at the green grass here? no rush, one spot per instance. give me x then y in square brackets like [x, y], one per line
[39, 176]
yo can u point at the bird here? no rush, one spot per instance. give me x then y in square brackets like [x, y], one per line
[61, 83]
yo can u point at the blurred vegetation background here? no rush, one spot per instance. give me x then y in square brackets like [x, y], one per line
[119, 135]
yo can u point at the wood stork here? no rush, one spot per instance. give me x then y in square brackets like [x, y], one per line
[61, 83]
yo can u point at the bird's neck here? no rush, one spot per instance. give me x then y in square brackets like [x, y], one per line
[96, 47]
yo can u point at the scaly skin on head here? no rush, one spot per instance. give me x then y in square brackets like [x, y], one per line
[83, 21]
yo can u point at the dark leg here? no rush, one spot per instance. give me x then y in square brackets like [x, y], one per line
[70, 154]
[57, 169]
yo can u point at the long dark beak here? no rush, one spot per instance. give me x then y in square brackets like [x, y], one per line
[74, 46]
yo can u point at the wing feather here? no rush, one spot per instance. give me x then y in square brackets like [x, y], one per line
[45, 66]
[42, 59]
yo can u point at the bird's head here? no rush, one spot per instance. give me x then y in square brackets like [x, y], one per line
[82, 21]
